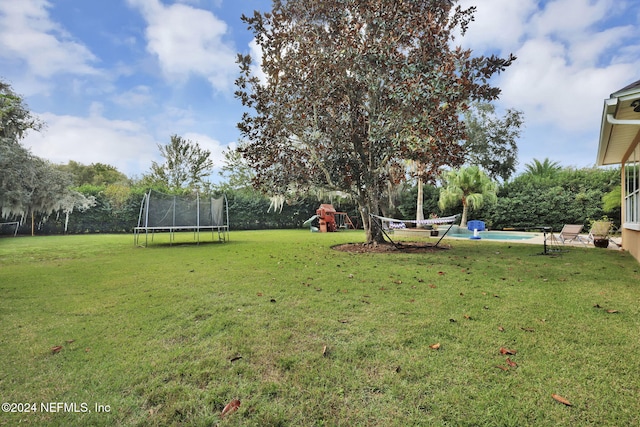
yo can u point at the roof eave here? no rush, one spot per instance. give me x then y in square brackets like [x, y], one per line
[610, 106]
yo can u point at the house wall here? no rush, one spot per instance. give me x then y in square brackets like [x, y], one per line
[630, 238]
[631, 242]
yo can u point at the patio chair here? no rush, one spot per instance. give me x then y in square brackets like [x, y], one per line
[571, 233]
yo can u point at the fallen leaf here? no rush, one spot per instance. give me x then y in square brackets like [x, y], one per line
[528, 329]
[398, 282]
[561, 400]
[259, 294]
[466, 316]
[597, 306]
[452, 320]
[500, 328]
[230, 407]
[612, 311]
[435, 346]
[507, 351]
[504, 368]
[511, 363]
[343, 321]
[441, 273]
[412, 300]
[235, 359]
[432, 286]
[70, 341]
[56, 349]
[420, 280]
[324, 351]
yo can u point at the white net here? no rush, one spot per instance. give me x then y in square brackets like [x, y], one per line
[165, 212]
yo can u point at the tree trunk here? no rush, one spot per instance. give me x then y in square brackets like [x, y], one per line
[463, 220]
[373, 233]
[420, 205]
[33, 224]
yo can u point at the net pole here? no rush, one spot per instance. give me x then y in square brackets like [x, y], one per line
[146, 221]
[198, 215]
[226, 208]
[173, 222]
[211, 217]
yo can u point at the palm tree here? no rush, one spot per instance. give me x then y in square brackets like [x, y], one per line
[546, 168]
[469, 185]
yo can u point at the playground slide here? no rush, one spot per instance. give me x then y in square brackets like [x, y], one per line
[308, 222]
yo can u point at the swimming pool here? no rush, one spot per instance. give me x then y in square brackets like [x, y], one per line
[495, 235]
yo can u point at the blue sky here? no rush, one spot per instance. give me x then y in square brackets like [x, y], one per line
[114, 78]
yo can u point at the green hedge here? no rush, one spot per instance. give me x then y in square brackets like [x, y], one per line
[570, 196]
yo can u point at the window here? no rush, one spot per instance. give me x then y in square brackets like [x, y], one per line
[632, 191]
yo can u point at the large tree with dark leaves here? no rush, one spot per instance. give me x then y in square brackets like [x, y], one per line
[354, 88]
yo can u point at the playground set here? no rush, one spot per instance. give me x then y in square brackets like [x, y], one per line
[329, 220]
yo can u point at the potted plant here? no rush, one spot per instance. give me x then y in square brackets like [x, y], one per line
[434, 227]
[600, 230]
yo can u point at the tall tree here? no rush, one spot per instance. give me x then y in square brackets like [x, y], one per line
[236, 171]
[353, 88]
[29, 185]
[492, 140]
[469, 186]
[15, 117]
[186, 165]
[16, 162]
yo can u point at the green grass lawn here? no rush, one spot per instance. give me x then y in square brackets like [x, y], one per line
[303, 335]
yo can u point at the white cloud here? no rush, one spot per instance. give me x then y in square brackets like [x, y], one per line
[566, 65]
[94, 139]
[188, 41]
[27, 34]
[569, 18]
[137, 97]
[498, 24]
[571, 55]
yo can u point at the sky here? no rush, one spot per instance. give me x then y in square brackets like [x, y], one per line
[113, 79]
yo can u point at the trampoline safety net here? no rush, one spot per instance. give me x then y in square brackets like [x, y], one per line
[161, 212]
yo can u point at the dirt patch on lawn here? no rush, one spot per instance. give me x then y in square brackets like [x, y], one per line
[384, 248]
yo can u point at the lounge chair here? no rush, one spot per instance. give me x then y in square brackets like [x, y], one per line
[571, 233]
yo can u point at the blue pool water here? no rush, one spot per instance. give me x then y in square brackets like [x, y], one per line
[495, 235]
